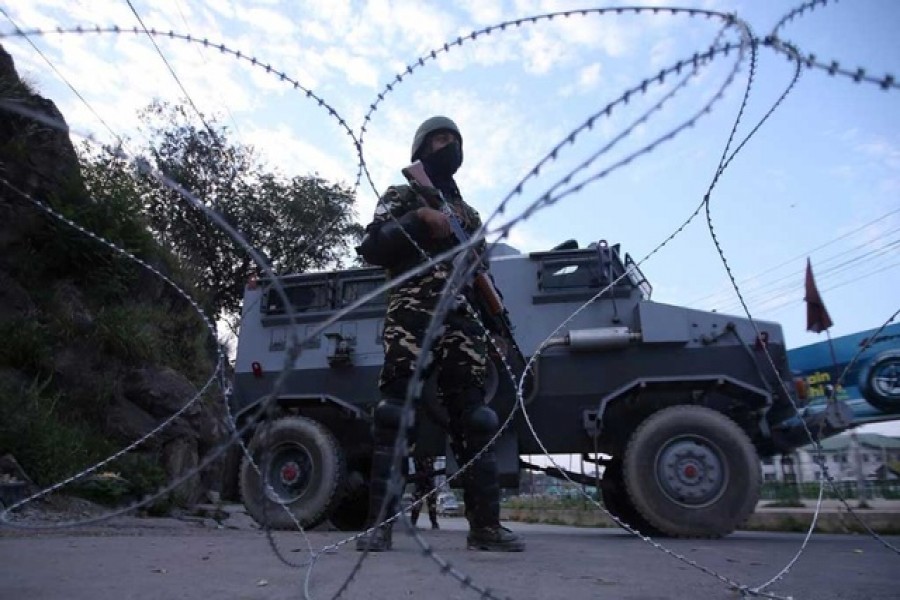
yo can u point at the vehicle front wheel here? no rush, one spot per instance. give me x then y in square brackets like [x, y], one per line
[302, 468]
[690, 471]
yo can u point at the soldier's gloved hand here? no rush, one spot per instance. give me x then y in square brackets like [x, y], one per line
[432, 195]
[437, 222]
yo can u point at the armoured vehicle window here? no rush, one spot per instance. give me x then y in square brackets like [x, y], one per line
[570, 274]
[352, 290]
[303, 298]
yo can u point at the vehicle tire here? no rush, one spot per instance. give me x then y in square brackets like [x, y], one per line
[879, 382]
[690, 471]
[351, 512]
[616, 500]
[303, 469]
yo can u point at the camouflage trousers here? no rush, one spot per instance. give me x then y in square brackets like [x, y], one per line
[459, 352]
[423, 480]
[458, 357]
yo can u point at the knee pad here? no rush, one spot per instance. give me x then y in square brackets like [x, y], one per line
[481, 423]
[388, 413]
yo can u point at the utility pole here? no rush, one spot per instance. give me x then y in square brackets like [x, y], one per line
[860, 477]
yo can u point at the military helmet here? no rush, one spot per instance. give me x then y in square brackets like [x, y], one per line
[430, 126]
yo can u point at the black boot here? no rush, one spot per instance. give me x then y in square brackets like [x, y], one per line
[386, 425]
[432, 515]
[482, 488]
[432, 512]
[378, 540]
[494, 539]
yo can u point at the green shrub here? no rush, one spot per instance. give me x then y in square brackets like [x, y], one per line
[143, 473]
[105, 488]
[49, 444]
[187, 345]
[139, 334]
[126, 480]
[128, 333]
[27, 345]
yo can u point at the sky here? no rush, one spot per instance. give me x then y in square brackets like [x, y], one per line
[820, 179]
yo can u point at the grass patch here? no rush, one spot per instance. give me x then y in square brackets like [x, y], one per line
[27, 345]
[549, 502]
[36, 429]
[128, 333]
[126, 480]
[785, 504]
[141, 334]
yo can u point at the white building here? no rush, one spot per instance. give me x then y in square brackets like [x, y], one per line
[877, 455]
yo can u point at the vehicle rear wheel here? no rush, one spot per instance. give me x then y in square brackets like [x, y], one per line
[351, 511]
[879, 382]
[616, 500]
[692, 472]
[302, 467]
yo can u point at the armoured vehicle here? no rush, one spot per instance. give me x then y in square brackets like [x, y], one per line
[677, 405]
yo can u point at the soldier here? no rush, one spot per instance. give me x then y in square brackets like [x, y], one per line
[459, 353]
[423, 478]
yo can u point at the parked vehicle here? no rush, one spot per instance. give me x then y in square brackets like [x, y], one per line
[449, 506]
[871, 386]
[684, 402]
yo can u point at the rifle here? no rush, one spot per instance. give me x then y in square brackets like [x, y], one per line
[486, 294]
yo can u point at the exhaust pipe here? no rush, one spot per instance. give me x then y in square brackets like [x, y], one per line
[597, 338]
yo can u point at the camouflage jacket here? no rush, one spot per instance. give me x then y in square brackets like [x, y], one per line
[399, 200]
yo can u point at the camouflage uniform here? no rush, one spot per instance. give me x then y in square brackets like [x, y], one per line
[424, 483]
[462, 350]
[459, 353]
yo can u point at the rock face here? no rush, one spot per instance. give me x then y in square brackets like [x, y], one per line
[50, 161]
[59, 294]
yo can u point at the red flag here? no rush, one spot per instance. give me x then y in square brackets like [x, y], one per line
[817, 318]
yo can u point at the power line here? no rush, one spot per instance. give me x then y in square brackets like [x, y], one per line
[803, 254]
[206, 61]
[791, 289]
[209, 129]
[796, 291]
[836, 286]
[63, 77]
[794, 278]
[727, 297]
[171, 70]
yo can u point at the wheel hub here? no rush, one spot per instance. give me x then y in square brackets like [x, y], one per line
[691, 471]
[887, 380]
[288, 473]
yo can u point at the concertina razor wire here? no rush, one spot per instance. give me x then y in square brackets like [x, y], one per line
[748, 42]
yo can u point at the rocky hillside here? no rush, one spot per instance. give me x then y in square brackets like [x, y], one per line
[95, 351]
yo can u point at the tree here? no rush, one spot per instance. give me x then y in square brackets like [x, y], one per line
[297, 223]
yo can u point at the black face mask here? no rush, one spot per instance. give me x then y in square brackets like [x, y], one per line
[444, 162]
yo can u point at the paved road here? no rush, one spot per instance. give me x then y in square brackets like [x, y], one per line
[163, 558]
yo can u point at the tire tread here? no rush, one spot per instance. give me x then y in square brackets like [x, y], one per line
[249, 483]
